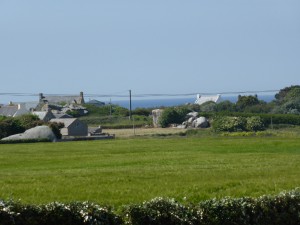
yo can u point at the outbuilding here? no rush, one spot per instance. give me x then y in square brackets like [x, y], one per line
[72, 127]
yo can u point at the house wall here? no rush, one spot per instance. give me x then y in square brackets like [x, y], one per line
[78, 128]
[64, 131]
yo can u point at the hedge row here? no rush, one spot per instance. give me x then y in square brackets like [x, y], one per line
[268, 119]
[282, 209]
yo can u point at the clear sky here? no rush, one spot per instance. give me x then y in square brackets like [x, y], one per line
[157, 46]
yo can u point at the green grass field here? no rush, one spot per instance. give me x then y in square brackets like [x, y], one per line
[124, 171]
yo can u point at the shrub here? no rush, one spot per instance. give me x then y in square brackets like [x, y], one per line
[254, 123]
[276, 210]
[229, 123]
[172, 115]
[10, 126]
[161, 211]
[77, 213]
[28, 121]
[281, 209]
[55, 127]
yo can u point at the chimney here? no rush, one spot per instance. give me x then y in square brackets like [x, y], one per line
[81, 98]
[41, 97]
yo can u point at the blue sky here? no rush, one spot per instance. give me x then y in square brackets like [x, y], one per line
[170, 46]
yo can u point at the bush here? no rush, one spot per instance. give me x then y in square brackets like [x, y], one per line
[276, 210]
[172, 115]
[282, 209]
[254, 123]
[77, 213]
[55, 127]
[161, 211]
[233, 124]
[229, 123]
[28, 121]
[10, 126]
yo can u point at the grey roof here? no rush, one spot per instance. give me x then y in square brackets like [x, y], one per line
[43, 114]
[40, 114]
[66, 121]
[94, 101]
[207, 98]
[61, 115]
[63, 99]
[9, 110]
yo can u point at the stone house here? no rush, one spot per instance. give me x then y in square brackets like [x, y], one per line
[55, 99]
[72, 127]
[14, 110]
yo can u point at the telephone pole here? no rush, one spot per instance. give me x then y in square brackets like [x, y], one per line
[130, 105]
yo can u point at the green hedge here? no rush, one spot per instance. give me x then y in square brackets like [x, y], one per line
[290, 119]
[282, 209]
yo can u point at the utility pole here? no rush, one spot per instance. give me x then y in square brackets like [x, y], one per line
[110, 107]
[130, 105]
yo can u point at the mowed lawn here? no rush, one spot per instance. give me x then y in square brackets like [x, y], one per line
[118, 172]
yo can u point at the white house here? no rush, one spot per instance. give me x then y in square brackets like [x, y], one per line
[207, 98]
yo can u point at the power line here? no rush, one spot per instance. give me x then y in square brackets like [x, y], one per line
[117, 95]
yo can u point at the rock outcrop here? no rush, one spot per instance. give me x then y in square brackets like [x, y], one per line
[39, 132]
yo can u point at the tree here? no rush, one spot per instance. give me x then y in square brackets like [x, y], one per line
[287, 93]
[225, 106]
[246, 101]
[208, 107]
[172, 115]
[288, 100]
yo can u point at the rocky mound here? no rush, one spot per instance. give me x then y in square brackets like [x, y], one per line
[39, 132]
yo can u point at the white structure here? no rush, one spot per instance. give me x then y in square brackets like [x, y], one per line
[207, 98]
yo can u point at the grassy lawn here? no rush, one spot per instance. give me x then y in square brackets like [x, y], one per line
[124, 171]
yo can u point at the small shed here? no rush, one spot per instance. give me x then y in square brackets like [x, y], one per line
[72, 127]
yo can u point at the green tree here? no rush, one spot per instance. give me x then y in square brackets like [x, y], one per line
[225, 106]
[287, 93]
[172, 115]
[208, 107]
[246, 101]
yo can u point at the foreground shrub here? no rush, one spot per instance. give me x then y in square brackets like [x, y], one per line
[77, 213]
[161, 211]
[282, 209]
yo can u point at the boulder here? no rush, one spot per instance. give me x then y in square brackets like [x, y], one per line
[192, 114]
[200, 122]
[182, 126]
[191, 119]
[39, 132]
